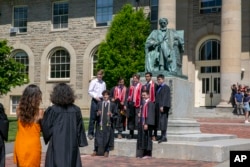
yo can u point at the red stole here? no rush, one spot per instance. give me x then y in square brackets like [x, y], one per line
[135, 94]
[120, 94]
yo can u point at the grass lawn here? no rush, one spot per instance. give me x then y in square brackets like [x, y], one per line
[13, 127]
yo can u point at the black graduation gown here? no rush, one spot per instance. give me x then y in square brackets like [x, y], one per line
[4, 128]
[162, 99]
[63, 128]
[118, 118]
[144, 141]
[104, 135]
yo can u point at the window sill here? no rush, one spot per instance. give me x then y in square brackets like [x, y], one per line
[101, 27]
[59, 30]
[18, 33]
[56, 80]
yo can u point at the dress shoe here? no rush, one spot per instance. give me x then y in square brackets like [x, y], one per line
[119, 136]
[93, 154]
[106, 154]
[164, 139]
[130, 136]
[90, 137]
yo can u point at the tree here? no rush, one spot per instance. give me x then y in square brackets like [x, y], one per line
[11, 74]
[122, 52]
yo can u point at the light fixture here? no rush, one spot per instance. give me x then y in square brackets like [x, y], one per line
[242, 73]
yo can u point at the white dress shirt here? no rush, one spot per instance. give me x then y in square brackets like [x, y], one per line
[96, 87]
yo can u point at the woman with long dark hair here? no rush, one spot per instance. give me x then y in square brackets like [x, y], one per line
[27, 149]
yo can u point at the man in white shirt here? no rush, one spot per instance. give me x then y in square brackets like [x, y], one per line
[96, 87]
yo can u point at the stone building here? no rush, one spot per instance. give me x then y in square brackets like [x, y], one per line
[58, 42]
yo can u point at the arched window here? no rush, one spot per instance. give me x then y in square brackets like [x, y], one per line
[60, 64]
[210, 50]
[94, 60]
[22, 57]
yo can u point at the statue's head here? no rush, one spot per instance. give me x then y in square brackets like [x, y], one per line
[163, 20]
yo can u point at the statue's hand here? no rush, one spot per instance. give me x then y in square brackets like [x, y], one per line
[157, 44]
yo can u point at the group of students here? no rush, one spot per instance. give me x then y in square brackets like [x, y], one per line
[61, 125]
[141, 107]
[240, 99]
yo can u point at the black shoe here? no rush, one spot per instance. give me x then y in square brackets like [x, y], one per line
[164, 139]
[90, 137]
[130, 137]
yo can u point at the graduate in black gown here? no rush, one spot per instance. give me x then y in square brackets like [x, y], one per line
[4, 128]
[151, 87]
[146, 121]
[162, 106]
[133, 105]
[118, 95]
[104, 136]
[63, 129]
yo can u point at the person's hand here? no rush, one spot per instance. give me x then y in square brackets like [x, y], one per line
[145, 127]
[125, 108]
[122, 103]
[99, 112]
[161, 109]
[98, 99]
[109, 113]
[139, 114]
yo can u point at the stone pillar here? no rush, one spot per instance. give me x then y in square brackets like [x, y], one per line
[167, 9]
[230, 48]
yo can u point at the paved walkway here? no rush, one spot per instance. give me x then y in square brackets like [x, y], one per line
[233, 125]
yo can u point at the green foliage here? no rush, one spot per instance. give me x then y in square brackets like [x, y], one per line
[11, 74]
[122, 53]
[12, 129]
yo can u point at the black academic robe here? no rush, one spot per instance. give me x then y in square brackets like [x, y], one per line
[4, 128]
[144, 142]
[104, 136]
[162, 99]
[63, 129]
[118, 117]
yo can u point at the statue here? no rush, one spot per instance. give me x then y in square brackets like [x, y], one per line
[164, 49]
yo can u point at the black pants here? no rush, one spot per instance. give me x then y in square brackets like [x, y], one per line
[92, 118]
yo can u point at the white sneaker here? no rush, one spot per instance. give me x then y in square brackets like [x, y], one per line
[246, 122]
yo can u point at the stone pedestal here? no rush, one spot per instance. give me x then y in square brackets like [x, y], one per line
[182, 105]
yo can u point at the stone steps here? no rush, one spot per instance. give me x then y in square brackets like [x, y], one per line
[202, 147]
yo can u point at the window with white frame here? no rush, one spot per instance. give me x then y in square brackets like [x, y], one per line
[14, 103]
[60, 15]
[60, 64]
[210, 6]
[94, 63]
[22, 57]
[210, 50]
[104, 12]
[20, 18]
